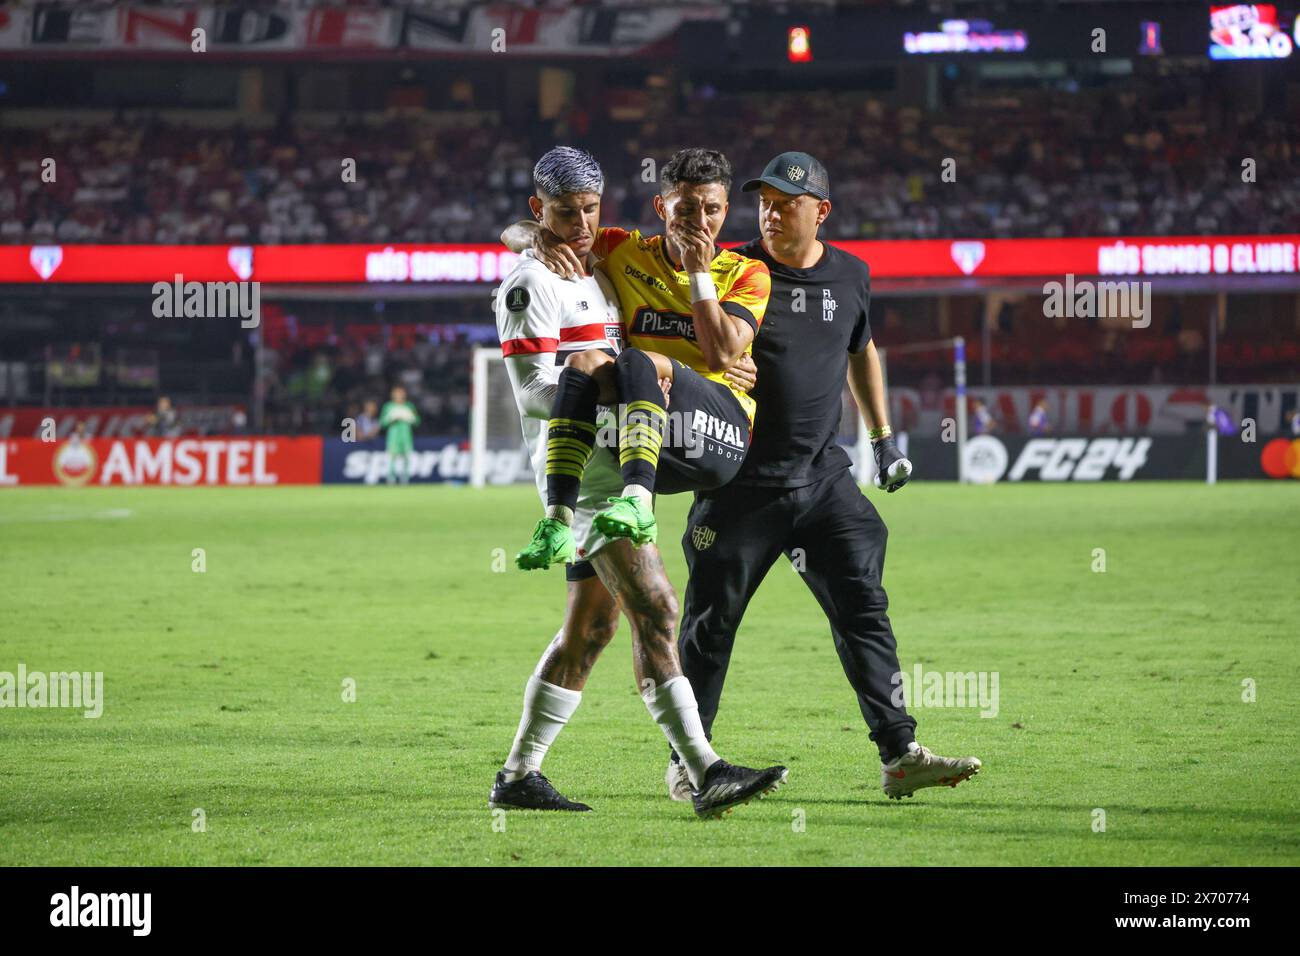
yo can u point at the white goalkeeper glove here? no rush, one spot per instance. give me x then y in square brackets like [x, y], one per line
[892, 469]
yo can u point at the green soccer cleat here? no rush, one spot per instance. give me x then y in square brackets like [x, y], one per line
[628, 517]
[552, 544]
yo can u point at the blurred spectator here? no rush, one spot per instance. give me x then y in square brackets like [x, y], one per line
[164, 423]
[1038, 422]
[368, 421]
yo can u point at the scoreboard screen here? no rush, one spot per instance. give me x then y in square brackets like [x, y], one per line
[1251, 31]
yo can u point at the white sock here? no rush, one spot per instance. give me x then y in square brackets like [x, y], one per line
[640, 491]
[563, 512]
[672, 705]
[912, 748]
[547, 708]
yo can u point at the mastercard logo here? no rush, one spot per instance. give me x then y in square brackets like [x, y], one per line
[1280, 458]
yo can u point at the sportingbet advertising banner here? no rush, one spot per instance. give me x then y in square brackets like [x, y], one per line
[434, 460]
[183, 462]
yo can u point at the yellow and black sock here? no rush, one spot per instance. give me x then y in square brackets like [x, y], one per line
[641, 418]
[570, 436]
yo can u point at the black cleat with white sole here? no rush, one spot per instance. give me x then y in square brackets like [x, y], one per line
[726, 786]
[530, 792]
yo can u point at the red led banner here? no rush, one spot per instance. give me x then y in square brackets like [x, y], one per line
[488, 262]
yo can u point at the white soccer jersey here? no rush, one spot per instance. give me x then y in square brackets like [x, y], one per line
[541, 320]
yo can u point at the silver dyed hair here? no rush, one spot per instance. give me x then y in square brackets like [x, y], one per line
[565, 170]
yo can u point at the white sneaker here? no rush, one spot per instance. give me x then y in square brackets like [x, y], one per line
[919, 768]
[679, 781]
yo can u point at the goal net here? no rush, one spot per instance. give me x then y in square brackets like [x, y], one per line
[498, 454]
[926, 385]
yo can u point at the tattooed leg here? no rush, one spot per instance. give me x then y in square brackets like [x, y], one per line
[637, 580]
[590, 622]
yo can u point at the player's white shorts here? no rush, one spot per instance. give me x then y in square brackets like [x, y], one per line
[602, 480]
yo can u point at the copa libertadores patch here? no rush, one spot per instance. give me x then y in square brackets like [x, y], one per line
[519, 300]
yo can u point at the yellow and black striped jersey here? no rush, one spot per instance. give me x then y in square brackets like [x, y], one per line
[655, 297]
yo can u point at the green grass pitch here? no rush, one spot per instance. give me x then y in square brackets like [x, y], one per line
[1119, 691]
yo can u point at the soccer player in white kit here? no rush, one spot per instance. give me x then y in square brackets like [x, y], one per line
[546, 322]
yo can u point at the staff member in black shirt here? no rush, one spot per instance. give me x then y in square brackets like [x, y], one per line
[796, 492]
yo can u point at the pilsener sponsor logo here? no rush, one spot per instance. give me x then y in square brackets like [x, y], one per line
[75, 908]
[664, 325]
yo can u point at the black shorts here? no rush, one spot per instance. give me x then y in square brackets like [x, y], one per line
[707, 434]
[579, 570]
[705, 442]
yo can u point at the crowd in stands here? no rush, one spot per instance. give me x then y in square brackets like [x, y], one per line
[312, 383]
[1162, 158]
[1024, 348]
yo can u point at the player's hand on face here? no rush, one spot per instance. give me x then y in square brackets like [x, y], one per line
[744, 374]
[696, 245]
[554, 253]
[666, 384]
[892, 469]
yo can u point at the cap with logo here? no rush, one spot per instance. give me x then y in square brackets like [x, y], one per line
[794, 173]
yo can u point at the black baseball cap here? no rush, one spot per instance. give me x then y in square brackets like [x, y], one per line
[794, 173]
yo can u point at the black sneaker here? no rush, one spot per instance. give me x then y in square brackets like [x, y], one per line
[726, 787]
[531, 792]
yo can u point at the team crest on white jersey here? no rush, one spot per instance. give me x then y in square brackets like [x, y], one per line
[703, 537]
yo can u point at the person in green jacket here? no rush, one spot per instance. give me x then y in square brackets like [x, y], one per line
[398, 417]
